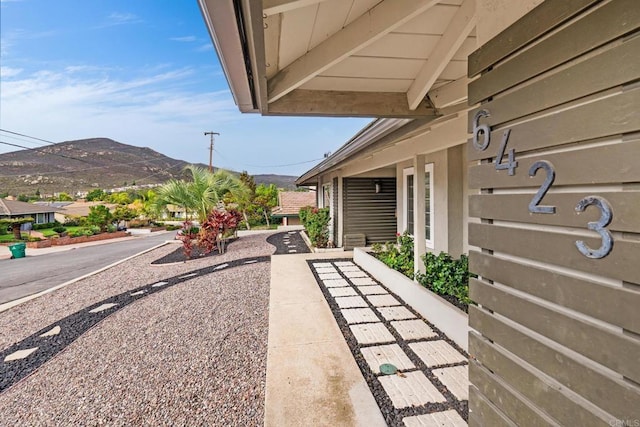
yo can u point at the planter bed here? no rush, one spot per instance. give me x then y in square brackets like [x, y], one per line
[83, 239]
[445, 316]
[40, 244]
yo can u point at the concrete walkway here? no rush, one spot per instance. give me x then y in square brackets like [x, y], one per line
[312, 378]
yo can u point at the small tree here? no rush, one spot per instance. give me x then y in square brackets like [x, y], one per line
[94, 195]
[15, 224]
[266, 199]
[124, 213]
[100, 217]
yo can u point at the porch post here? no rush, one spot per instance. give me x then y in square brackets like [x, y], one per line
[340, 211]
[419, 222]
[400, 213]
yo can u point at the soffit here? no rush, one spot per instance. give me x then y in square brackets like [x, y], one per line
[389, 60]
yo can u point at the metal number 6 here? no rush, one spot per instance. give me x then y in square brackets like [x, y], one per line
[597, 226]
[478, 128]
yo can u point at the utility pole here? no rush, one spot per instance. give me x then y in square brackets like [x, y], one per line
[211, 150]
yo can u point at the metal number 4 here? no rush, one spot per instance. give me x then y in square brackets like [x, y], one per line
[597, 226]
[511, 163]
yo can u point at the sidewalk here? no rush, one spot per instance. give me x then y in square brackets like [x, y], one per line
[312, 378]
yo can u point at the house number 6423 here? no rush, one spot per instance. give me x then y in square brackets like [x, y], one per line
[481, 140]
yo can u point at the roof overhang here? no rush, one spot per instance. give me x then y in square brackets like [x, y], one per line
[356, 58]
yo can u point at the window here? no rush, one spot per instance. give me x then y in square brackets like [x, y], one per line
[428, 204]
[408, 198]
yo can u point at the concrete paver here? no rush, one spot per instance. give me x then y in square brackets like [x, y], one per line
[410, 389]
[371, 333]
[343, 292]
[332, 283]
[383, 300]
[351, 302]
[396, 313]
[413, 329]
[437, 419]
[382, 354]
[372, 290]
[436, 353]
[359, 315]
[456, 379]
[362, 281]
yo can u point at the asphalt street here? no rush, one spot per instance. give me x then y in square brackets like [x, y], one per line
[25, 276]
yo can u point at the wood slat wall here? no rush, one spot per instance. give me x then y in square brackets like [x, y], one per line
[556, 337]
[368, 212]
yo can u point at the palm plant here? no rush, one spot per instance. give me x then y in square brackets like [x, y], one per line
[200, 195]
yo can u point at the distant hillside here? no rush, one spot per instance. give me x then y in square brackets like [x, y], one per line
[82, 165]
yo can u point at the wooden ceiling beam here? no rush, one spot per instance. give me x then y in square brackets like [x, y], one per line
[302, 102]
[457, 31]
[371, 26]
[273, 7]
[450, 94]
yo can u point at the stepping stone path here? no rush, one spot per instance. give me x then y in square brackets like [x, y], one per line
[430, 385]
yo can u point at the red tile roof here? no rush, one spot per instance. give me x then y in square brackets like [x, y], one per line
[290, 202]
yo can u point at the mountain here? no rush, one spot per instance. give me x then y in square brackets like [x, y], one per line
[83, 165]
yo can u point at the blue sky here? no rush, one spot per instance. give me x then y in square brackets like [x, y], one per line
[143, 73]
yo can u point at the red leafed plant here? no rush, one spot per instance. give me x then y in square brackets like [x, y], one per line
[216, 228]
[211, 234]
[188, 234]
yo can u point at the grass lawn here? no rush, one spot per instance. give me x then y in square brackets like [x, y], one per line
[47, 232]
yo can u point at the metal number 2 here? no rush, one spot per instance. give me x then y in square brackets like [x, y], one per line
[534, 206]
[484, 129]
[597, 226]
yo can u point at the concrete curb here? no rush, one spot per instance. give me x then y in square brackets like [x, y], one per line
[7, 305]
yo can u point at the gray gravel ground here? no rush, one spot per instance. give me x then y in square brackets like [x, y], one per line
[193, 354]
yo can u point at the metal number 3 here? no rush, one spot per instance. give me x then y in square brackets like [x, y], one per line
[597, 226]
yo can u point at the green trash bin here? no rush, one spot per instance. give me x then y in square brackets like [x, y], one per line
[18, 250]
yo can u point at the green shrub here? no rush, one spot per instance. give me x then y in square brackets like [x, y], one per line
[397, 256]
[45, 225]
[446, 276]
[316, 223]
[76, 233]
[59, 229]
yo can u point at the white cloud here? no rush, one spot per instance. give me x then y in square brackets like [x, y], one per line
[6, 72]
[117, 18]
[147, 111]
[184, 39]
[205, 47]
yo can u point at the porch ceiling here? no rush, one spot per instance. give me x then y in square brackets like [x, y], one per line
[369, 58]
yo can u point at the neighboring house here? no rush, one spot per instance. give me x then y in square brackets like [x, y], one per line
[16, 209]
[503, 129]
[175, 213]
[79, 209]
[289, 204]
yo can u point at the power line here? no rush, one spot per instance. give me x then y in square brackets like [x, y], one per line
[39, 148]
[270, 166]
[28, 136]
